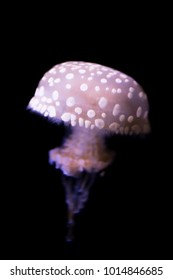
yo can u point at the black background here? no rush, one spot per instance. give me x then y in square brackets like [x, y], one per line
[128, 215]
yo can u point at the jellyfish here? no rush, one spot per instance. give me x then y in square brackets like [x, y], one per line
[95, 101]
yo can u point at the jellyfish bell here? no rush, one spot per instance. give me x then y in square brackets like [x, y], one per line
[95, 101]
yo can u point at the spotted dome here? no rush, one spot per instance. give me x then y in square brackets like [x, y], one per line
[92, 96]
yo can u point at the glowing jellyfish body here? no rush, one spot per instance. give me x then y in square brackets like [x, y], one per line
[96, 101]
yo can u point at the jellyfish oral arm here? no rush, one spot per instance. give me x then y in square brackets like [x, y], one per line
[84, 150]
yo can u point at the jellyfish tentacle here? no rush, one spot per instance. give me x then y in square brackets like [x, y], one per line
[70, 224]
[68, 184]
[83, 191]
[76, 192]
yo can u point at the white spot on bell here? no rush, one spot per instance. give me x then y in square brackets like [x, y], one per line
[145, 114]
[122, 118]
[97, 88]
[37, 92]
[123, 75]
[51, 111]
[99, 123]
[82, 71]
[68, 86]
[102, 102]
[49, 100]
[41, 91]
[69, 76]
[104, 69]
[103, 115]
[114, 126]
[70, 102]
[130, 119]
[38, 108]
[116, 110]
[103, 81]
[73, 117]
[99, 72]
[90, 78]
[50, 80]
[78, 110]
[58, 80]
[52, 71]
[62, 70]
[84, 87]
[139, 112]
[43, 109]
[73, 122]
[131, 89]
[91, 113]
[130, 95]
[34, 102]
[66, 117]
[119, 90]
[114, 90]
[118, 80]
[81, 121]
[87, 123]
[55, 95]
[141, 94]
